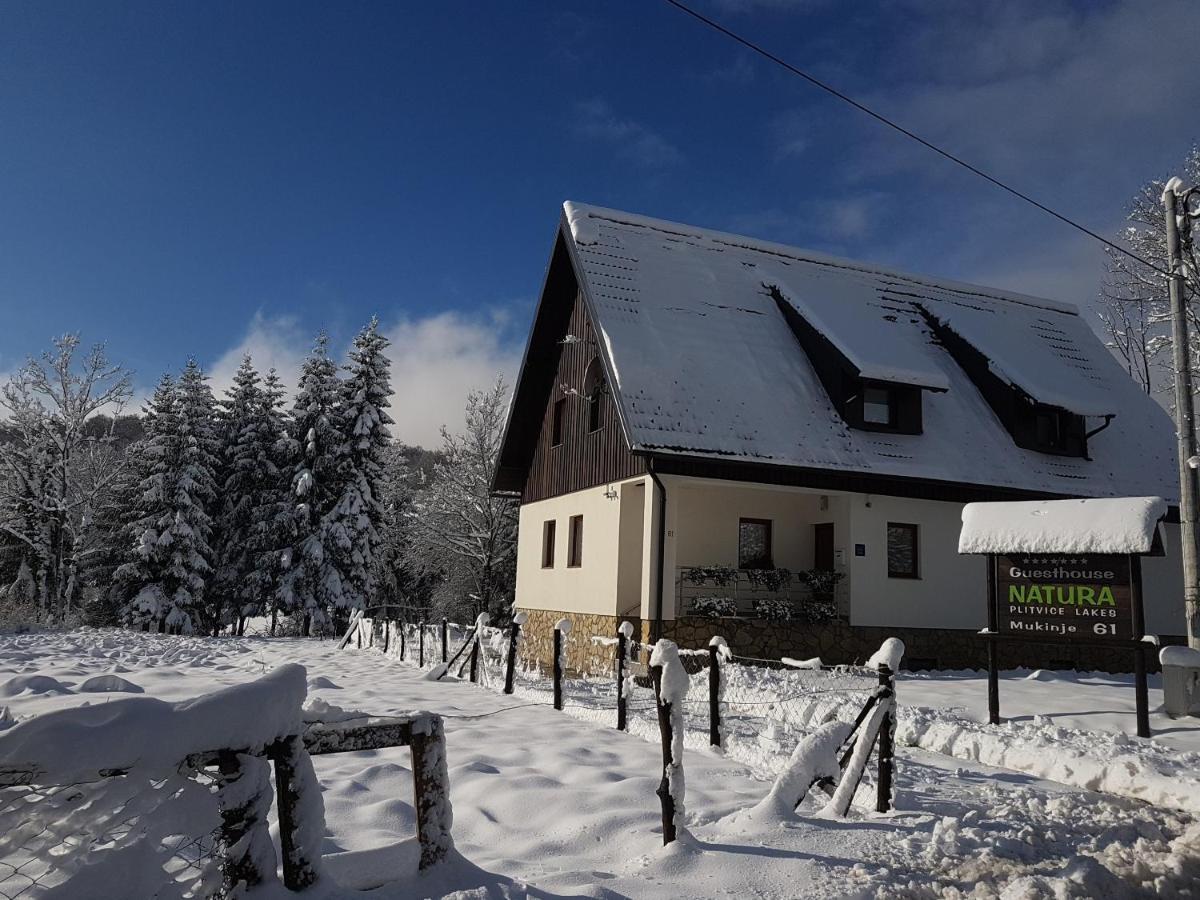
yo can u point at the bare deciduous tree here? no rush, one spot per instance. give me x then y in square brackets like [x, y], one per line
[53, 470]
[459, 527]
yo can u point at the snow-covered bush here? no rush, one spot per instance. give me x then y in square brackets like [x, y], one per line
[774, 580]
[721, 576]
[714, 607]
[773, 609]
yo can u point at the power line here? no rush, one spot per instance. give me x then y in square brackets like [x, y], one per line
[829, 89]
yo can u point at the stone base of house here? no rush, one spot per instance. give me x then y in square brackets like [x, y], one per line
[834, 642]
[584, 656]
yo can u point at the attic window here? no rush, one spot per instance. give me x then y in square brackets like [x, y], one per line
[871, 404]
[879, 406]
[595, 390]
[1036, 426]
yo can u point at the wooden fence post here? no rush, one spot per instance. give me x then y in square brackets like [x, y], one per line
[245, 841]
[421, 644]
[665, 732]
[403, 629]
[431, 789]
[714, 691]
[298, 870]
[514, 637]
[387, 632]
[446, 639]
[474, 658]
[622, 703]
[887, 684]
[558, 673]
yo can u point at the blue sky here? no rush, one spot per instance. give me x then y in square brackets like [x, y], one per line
[204, 179]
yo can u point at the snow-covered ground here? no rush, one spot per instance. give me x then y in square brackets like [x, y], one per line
[549, 805]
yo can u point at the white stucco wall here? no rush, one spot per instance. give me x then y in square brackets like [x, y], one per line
[951, 591]
[590, 588]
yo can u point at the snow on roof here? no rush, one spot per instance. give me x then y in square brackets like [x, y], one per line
[866, 329]
[1111, 525]
[1040, 354]
[709, 367]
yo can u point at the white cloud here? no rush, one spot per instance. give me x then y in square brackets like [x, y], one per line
[595, 120]
[273, 342]
[436, 361]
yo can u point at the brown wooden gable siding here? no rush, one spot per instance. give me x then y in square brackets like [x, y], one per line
[583, 459]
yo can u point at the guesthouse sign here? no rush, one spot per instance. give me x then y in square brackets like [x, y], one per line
[1065, 572]
[1064, 596]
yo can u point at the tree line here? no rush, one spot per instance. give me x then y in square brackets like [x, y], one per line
[201, 512]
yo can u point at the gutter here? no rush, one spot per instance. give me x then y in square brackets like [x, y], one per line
[657, 621]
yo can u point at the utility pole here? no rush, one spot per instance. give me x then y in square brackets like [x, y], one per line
[1184, 412]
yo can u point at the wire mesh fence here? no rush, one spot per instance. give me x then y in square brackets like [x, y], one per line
[153, 838]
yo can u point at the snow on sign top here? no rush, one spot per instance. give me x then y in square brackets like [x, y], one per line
[705, 364]
[1114, 525]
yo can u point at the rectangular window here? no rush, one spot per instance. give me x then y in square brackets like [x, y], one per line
[548, 528]
[879, 407]
[556, 430]
[902, 551]
[575, 546]
[754, 544]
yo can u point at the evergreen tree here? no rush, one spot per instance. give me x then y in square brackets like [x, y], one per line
[248, 470]
[358, 516]
[313, 583]
[147, 534]
[274, 521]
[195, 496]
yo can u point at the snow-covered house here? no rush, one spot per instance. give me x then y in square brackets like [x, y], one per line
[697, 411]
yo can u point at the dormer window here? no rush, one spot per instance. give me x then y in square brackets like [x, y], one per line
[879, 406]
[864, 402]
[1033, 425]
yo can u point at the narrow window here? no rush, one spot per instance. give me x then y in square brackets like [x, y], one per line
[754, 544]
[879, 407]
[575, 545]
[548, 528]
[595, 388]
[556, 431]
[902, 550]
[1048, 429]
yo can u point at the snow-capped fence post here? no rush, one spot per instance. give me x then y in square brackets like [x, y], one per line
[298, 833]
[887, 733]
[514, 637]
[670, 688]
[561, 628]
[716, 649]
[446, 642]
[387, 632]
[624, 631]
[431, 788]
[475, 658]
[403, 631]
[421, 644]
[244, 797]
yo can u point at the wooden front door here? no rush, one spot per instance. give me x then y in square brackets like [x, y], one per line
[823, 546]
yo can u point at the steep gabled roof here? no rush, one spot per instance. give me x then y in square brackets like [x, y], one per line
[703, 363]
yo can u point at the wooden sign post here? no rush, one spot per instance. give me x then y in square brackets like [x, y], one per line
[1066, 572]
[1067, 598]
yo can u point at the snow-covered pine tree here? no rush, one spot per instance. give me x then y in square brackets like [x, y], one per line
[195, 497]
[148, 532]
[357, 517]
[313, 583]
[248, 471]
[274, 528]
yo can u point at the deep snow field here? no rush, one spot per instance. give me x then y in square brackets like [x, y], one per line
[547, 804]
